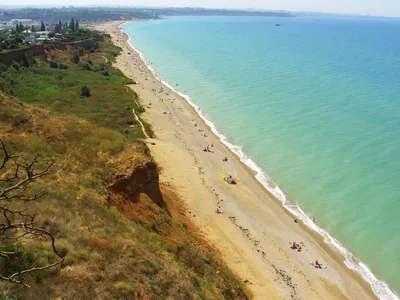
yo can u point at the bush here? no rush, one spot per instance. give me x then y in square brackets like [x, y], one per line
[105, 73]
[63, 66]
[75, 57]
[81, 51]
[53, 64]
[84, 65]
[112, 53]
[85, 91]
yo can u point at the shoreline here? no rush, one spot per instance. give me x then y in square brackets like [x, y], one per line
[314, 236]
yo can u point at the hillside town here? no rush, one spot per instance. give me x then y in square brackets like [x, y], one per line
[20, 33]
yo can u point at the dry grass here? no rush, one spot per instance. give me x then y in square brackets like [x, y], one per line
[109, 255]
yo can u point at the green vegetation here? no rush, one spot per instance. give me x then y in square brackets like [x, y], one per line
[56, 85]
[115, 246]
[85, 91]
[10, 42]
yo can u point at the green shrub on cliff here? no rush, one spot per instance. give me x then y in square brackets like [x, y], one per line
[53, 64]
[84, 65]
[85, 91]
[75, 57]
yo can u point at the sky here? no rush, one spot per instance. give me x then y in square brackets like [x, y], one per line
[364, 7]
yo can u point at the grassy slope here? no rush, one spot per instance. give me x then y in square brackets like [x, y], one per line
[121, 251]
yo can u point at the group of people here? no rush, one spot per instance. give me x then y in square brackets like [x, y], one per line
[296, 246]
[299, 247]
[208, 148]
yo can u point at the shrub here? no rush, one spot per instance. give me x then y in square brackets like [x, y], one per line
[84, 65]
[112, 53]
[105, 73]
[85, 91]
[62, 66]
[81, 51]
[53, 64]
[75, 57]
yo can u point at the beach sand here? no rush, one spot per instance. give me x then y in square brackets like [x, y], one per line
[254, 231]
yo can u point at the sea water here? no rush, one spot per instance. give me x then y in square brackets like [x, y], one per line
[314, 106]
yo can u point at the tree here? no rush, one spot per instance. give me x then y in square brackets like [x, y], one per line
[75, 57]
[85, 91]
[60, 26]
[33, 28]
[72, 25]
[76, 25]
[17, 28]
[16, 224]
[21, 27]
[42, 27]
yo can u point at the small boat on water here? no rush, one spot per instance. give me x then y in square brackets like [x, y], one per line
[278, 25]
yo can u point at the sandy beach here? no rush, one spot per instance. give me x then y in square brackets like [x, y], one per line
[251, 229]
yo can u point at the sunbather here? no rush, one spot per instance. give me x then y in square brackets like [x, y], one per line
[230, 180]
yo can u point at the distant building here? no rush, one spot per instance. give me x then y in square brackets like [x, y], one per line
[31, 39]
[58, 36]
[6, 26]
[42, 32]
[42, 38]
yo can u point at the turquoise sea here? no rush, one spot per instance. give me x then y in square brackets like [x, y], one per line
[315, 103]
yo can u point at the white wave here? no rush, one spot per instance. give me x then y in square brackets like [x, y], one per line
[380, 288]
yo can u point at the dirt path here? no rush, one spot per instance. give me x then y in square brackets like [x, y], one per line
[140, 122]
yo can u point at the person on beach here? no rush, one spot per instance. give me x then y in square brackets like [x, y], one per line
[218, 212]
[230, 180]
[293, 245]
[317, 264]
[296, 246]
[225, 159]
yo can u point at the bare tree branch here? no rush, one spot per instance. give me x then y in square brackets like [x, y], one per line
[7, 156]
[17, 224]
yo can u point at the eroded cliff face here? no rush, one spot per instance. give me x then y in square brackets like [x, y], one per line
[143, 179]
